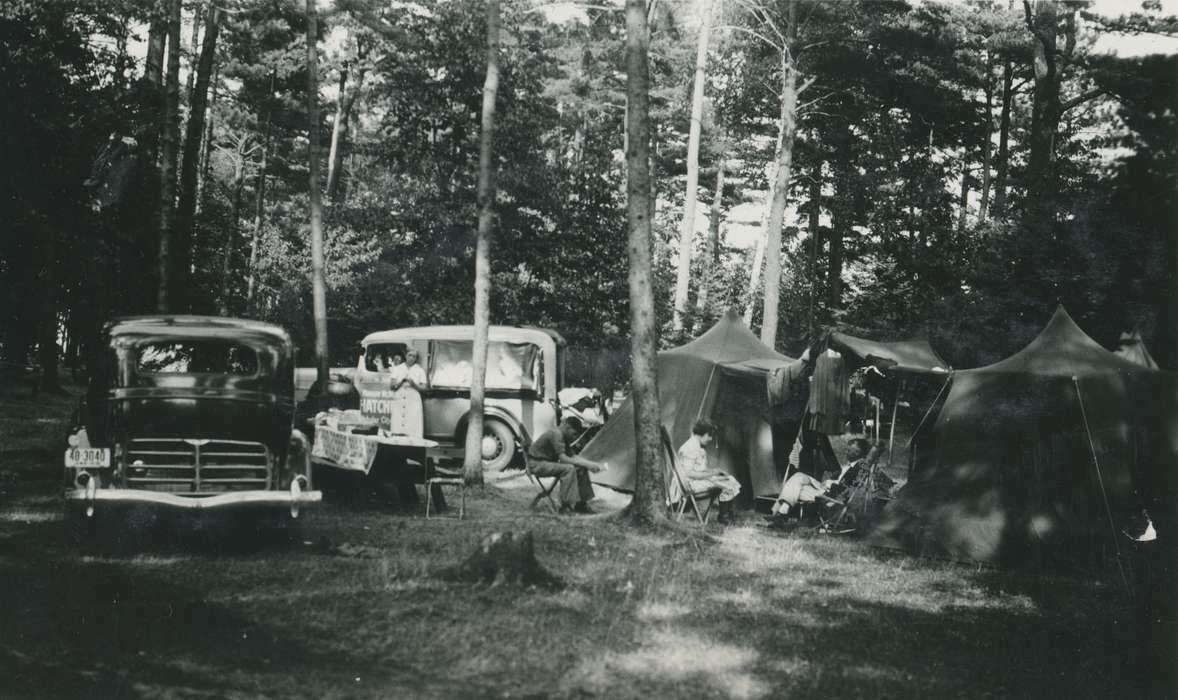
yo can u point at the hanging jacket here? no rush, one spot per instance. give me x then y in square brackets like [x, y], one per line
[830, 394]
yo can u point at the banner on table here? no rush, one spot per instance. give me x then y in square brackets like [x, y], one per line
[345, 450]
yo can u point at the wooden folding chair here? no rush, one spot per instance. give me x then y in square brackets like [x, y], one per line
[545, 489]
[839, 518]
[707, 497]
[438, 477]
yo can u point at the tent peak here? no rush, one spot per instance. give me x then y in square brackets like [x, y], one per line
[1061, 348]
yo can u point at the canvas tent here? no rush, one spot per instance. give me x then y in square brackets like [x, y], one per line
[1132, 348]
[903, 365]
[1038, 459]
[914, 355]
[719, 375]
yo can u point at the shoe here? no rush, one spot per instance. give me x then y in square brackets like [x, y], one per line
[565, 509]
[583, 509]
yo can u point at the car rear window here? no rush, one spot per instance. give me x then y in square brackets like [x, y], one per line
[197, 357]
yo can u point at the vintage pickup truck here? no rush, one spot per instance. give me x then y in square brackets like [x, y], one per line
[192, 413]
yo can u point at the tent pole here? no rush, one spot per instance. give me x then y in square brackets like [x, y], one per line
[708, 387]
[1100, 480]
[930, 409]
[877, 403]
[892, 430]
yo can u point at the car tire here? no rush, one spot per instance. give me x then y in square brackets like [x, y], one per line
[502, 440]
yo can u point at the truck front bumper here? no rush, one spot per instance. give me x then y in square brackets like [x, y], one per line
[293, 499]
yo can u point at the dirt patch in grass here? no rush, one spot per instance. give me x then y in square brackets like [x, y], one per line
[350, 608]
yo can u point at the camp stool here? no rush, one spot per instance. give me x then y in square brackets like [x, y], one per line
[545, 489]
[694, 498]
[440, 477]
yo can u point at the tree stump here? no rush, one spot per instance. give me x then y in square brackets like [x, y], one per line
[503, 558]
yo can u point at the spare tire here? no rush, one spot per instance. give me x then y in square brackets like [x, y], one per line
[498, 445]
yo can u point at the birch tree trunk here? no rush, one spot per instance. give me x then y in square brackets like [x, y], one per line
[687, 226]
[193, 45]
[963, 200]
[759, 251]
[987, 144]
[260, 207]
[755, 272]
[318, 283]
[815, 225]
[473, 457]
[841, 213]
[181, 257]
[339, 129]
[1000, 176]
[781, 188]
[231, 234]
[710, 254]
[206, 146]
[169, 141]
[648, 505]
[333, 151]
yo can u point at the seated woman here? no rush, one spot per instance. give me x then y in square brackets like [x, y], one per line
[803, 488]
[692, 458]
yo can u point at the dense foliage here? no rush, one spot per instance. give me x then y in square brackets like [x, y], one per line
[922, 202]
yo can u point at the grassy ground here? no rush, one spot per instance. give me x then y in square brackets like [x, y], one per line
[350, 609]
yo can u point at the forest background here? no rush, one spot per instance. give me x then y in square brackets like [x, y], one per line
[958, 170]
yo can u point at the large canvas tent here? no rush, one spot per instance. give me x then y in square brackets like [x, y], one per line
[914, 355]
[1039, 459]
[719, 375]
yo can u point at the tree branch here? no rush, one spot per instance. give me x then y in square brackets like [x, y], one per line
[750, 32]
[1081, 99]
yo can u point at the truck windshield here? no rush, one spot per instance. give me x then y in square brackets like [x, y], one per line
[196, 357]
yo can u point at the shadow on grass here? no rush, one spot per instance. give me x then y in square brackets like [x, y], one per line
[77, 625]
[847, 629]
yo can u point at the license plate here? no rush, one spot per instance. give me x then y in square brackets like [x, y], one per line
[87, 457]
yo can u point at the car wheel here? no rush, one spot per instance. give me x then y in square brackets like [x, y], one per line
[498, 445]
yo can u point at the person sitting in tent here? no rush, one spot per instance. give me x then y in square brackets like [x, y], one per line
[803, 488]
[549, 456]
[692, 460]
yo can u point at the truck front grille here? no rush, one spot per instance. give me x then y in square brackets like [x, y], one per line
[197, 466]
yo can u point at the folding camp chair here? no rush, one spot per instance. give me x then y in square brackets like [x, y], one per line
[545, 489]
[438, 477]
[707, 497]
[839, 518]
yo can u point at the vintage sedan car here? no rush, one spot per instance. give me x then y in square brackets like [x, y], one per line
[189, 413]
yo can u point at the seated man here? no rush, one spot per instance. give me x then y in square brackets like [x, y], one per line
[692, 459]
[860, 457]
[549, 456]
[803, 488]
